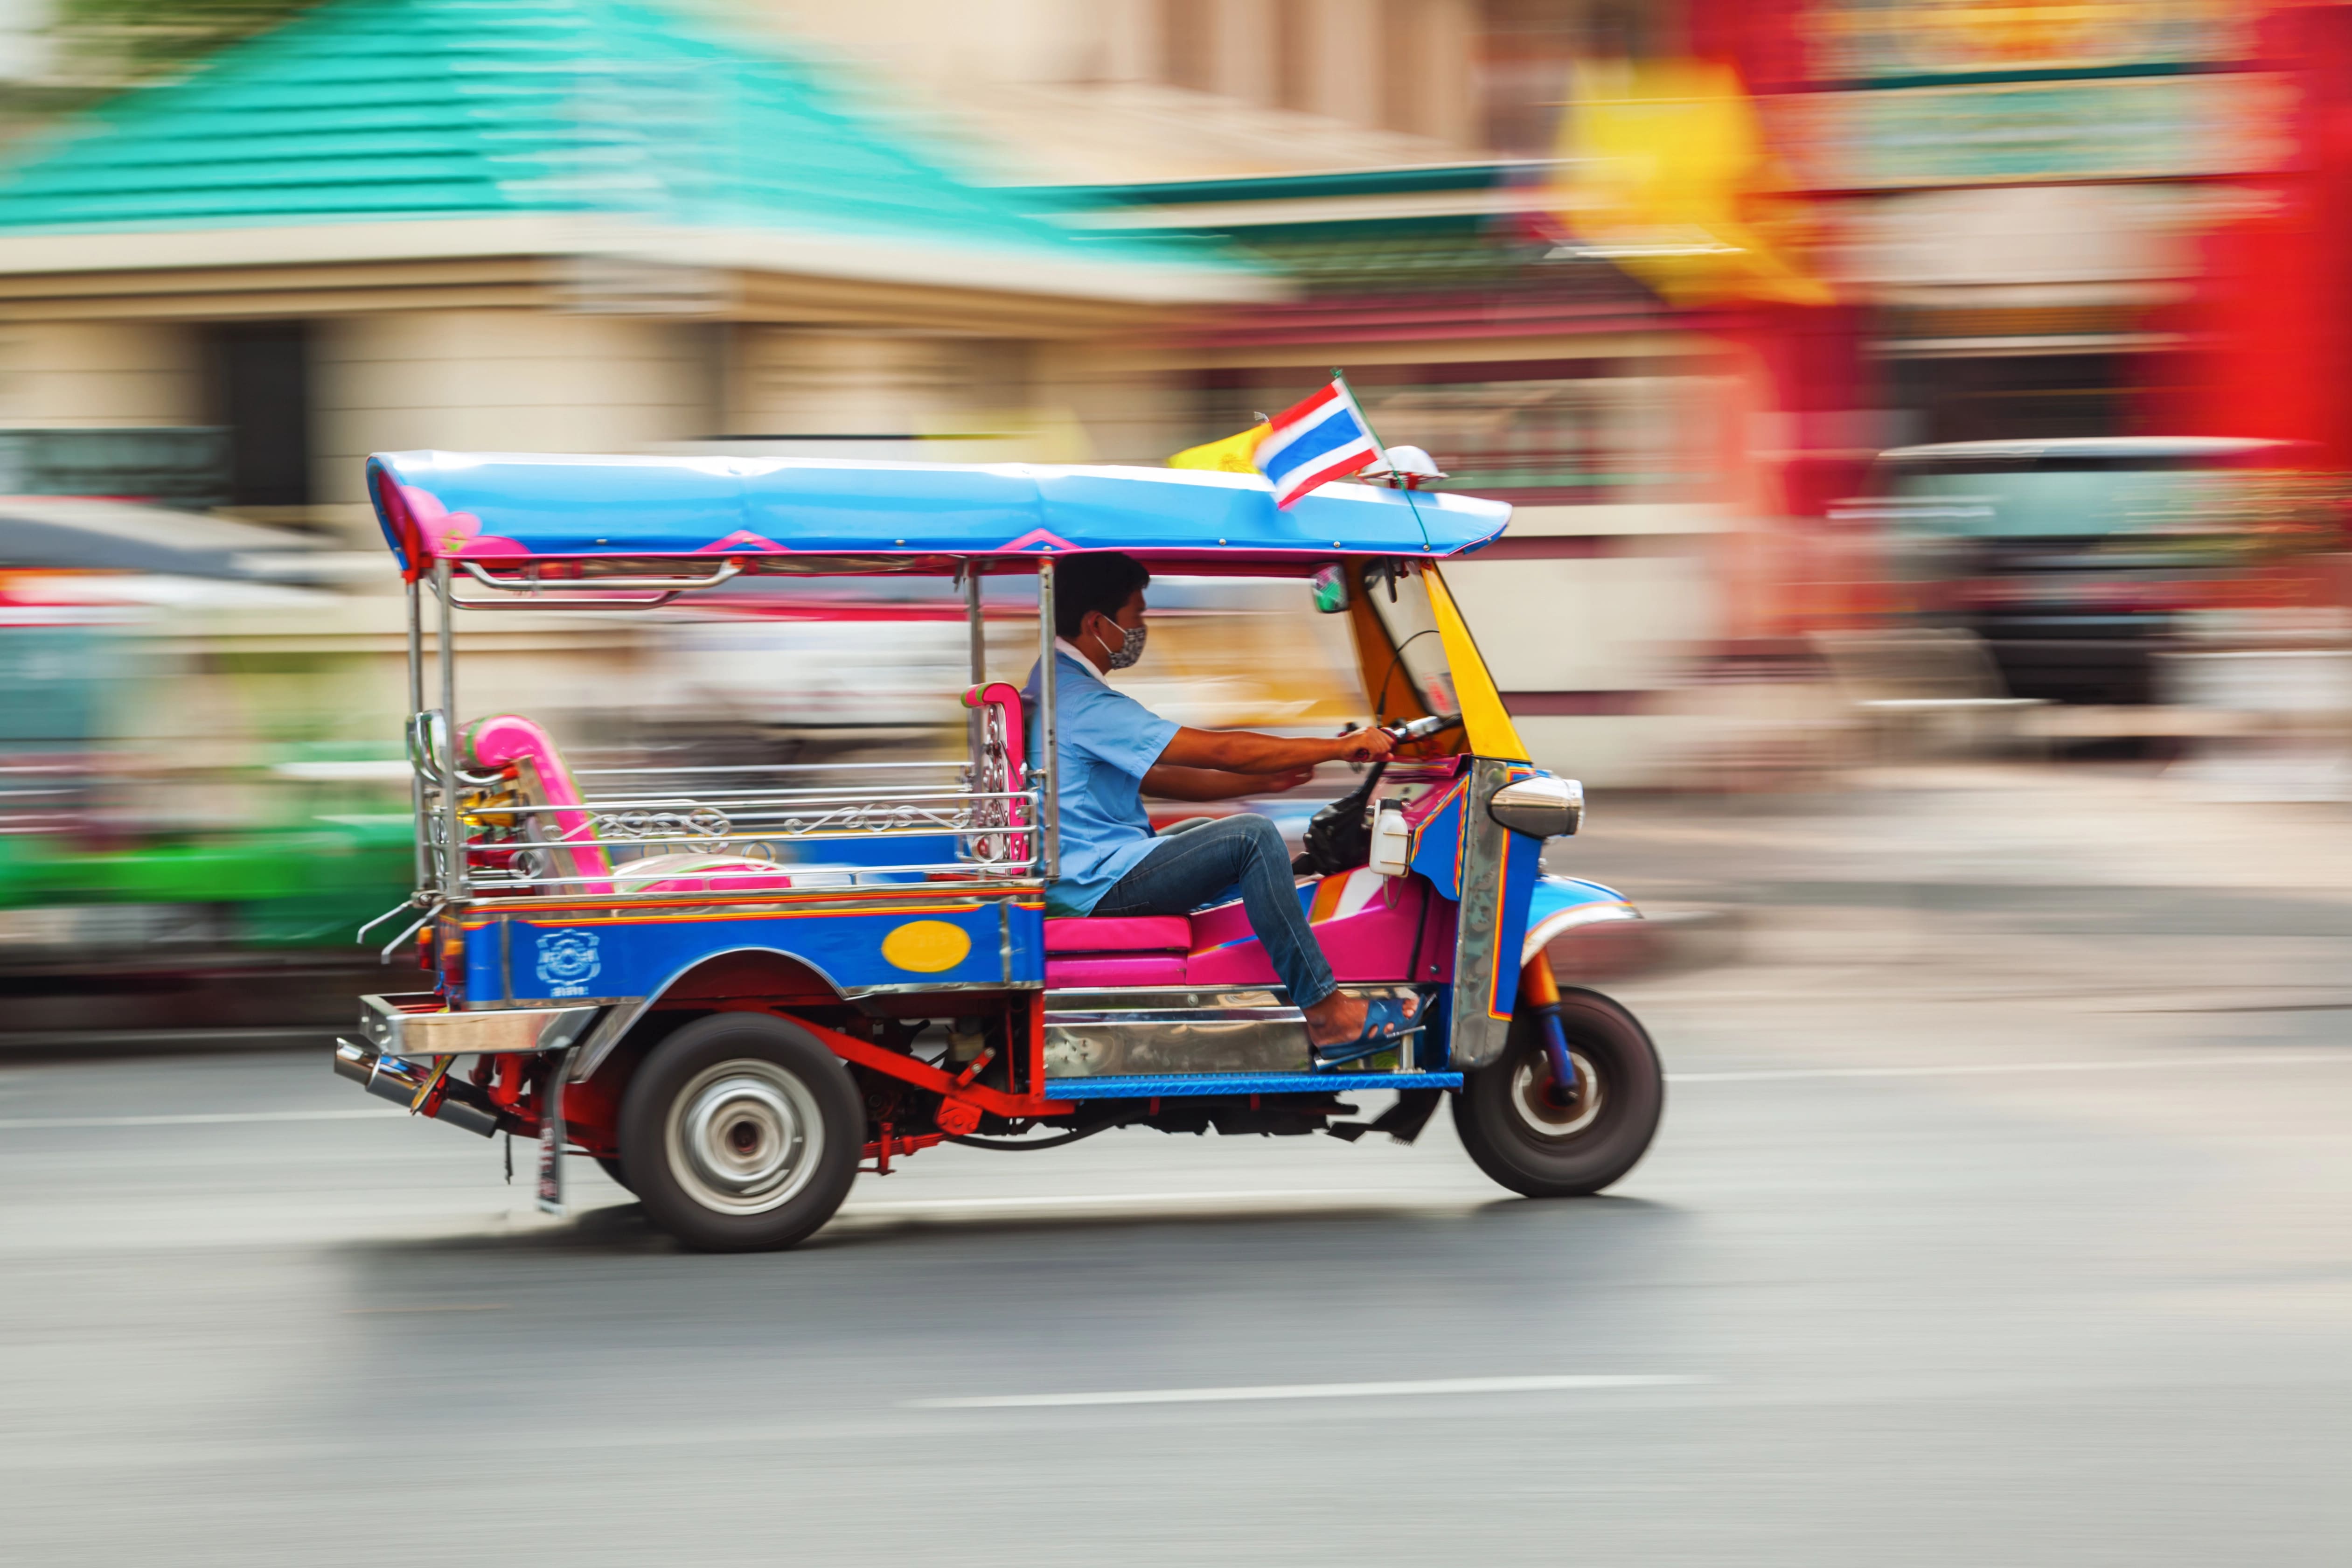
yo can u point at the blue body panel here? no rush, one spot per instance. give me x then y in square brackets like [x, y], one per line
[509, 507]
[1522, 870]
[633, 954]
[1188, 1085]
[1437, 848]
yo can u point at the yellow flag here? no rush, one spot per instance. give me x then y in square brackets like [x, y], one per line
[1230, 456]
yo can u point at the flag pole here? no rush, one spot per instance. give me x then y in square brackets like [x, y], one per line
[1340, 376]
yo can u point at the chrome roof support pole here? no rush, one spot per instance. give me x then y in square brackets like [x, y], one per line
[453, 850]
[976, 628]
[976, 633]
[1050, 807]
[416, 707]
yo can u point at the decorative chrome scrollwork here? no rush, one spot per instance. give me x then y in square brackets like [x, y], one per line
[695, 822]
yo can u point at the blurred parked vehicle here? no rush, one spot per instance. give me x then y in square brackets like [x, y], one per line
[2077, 559]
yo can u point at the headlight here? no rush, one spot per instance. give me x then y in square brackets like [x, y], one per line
[1539, 808]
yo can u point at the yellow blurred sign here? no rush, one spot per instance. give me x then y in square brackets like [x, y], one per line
[1666, 173]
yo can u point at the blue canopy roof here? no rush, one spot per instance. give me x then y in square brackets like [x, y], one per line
[493, 507]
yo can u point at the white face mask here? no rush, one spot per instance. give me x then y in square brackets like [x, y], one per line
[1130, 649]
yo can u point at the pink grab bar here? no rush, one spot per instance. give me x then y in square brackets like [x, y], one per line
[508, 739]
[1002, 703]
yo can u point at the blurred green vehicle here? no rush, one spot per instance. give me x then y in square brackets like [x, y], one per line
[309, 885]
[141, 888]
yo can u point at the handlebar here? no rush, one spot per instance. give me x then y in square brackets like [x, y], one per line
[1422, 729]
[1338, 838]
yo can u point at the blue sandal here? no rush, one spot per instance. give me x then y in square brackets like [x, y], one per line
[1385, 1023]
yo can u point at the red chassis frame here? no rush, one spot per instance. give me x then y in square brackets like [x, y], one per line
[591, 1108]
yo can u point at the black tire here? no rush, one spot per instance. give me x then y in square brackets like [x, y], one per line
[611, 1165]
[742, 1133]
[1520, 1138]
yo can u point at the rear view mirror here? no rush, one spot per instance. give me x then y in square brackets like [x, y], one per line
[1330, 590]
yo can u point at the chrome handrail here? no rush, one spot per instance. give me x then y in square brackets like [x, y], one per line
[957, 765]
[534, 584]
[573, 604]
[778, 799]
[974, 874]
[823, 832]
[751, 823]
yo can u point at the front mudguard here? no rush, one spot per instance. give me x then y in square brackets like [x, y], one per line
[1560, 904]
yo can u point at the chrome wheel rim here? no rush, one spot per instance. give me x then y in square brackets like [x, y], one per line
[744, 1137]
[1543, 1117]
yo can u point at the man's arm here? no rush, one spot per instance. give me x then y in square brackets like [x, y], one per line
[1243, 752]
[1168, 783]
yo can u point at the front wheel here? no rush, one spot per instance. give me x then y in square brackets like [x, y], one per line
[742, 1133]
[1537, 1142]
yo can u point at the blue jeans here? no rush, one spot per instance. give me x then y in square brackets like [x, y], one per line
[1201, 865]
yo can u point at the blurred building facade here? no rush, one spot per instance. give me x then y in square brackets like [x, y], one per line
[549, 227]
[1063, 230]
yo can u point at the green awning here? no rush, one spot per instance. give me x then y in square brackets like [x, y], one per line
[369, 110]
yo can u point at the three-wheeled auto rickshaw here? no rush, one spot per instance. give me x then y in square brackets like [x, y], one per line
[736, 986]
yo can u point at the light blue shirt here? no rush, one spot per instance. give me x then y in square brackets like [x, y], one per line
[1104, 743]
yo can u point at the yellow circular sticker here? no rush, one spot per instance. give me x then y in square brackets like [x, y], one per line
[927, 946]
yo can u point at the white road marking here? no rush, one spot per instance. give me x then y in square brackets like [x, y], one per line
[1538, 1384]
[1075, 1200]
[192, 1118]
[1974, 1069]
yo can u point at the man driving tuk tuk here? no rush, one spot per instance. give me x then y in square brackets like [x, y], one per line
[1110, 751]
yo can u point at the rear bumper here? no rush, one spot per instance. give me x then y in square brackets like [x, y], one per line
[412, 1039]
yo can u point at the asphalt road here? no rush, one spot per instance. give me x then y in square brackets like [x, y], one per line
[1967, 1240]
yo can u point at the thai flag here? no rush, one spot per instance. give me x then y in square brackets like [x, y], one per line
[1325, 437]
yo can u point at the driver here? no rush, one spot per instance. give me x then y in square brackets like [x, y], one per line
[1110, 751]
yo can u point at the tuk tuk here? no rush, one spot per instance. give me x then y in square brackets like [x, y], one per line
[736, 987]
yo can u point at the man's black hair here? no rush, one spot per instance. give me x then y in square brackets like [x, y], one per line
[1099, 581]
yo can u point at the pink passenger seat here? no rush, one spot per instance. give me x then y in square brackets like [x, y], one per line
[1147, 951]
[1144, 933]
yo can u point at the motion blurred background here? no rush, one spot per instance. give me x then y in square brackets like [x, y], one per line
[1928, 427]
[1880, 384]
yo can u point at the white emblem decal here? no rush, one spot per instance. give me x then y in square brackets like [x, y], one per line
[568, 961]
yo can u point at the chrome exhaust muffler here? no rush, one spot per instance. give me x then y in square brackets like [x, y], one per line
[398, 1080]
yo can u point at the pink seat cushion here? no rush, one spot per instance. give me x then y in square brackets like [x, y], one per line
[1147, 933]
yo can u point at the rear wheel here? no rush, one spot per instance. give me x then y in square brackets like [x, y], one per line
[1534, 1141]
[740, 1133]
[611, 1165]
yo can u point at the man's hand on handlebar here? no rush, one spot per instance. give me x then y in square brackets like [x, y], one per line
[1422, 729]
[1369, 744]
